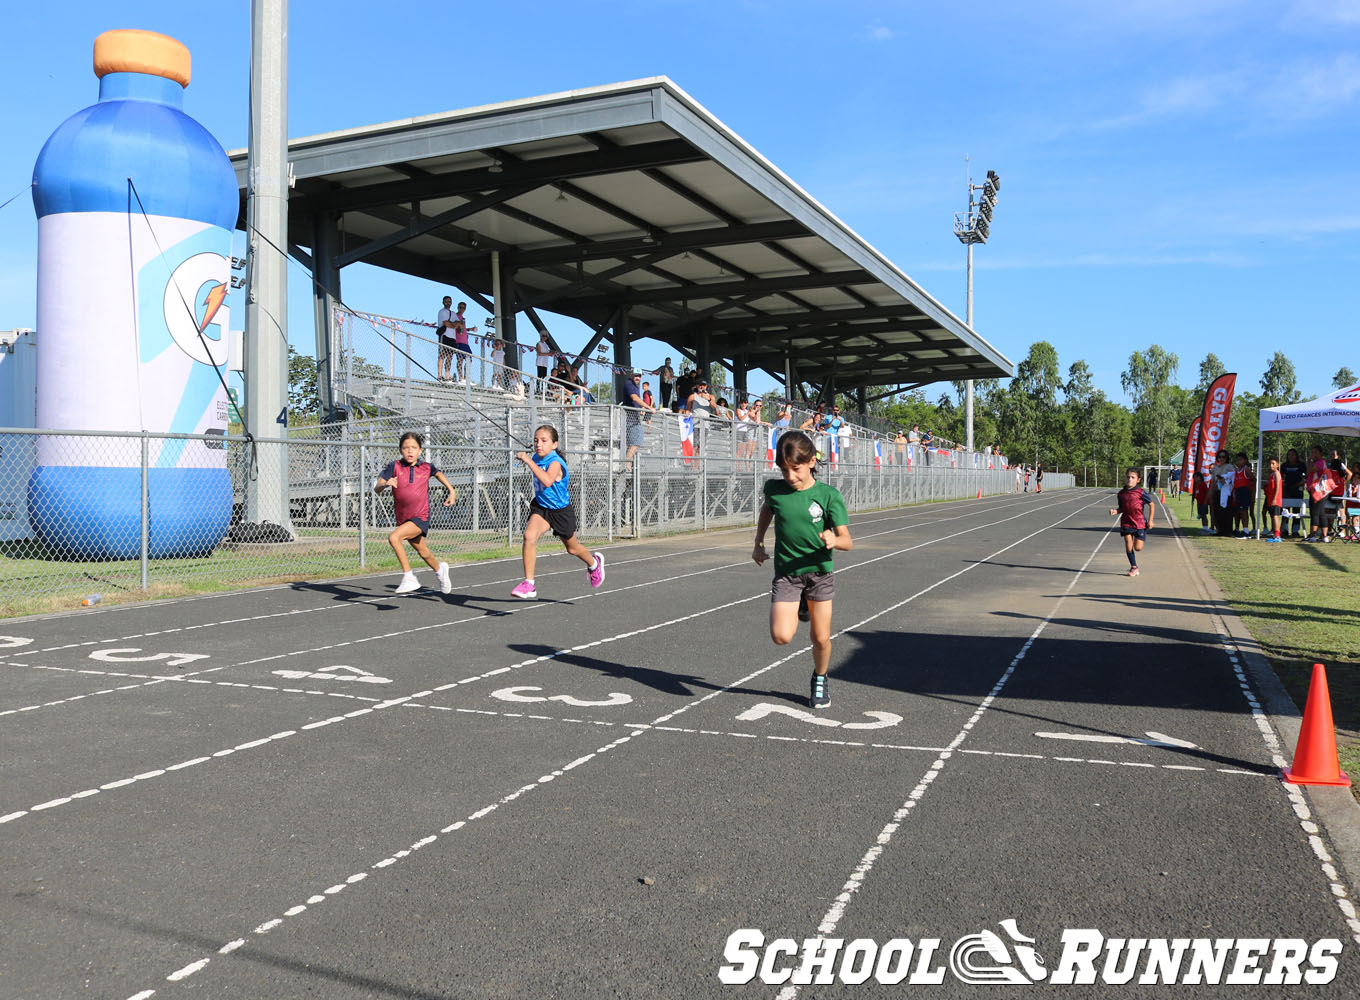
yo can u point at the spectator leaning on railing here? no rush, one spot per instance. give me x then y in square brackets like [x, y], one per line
[633, 405]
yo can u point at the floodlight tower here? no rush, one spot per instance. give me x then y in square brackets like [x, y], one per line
[973, 227]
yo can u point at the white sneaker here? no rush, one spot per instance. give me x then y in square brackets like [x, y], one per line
[408, 584]
[445, 585]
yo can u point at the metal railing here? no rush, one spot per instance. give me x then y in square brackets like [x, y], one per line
[100, 513]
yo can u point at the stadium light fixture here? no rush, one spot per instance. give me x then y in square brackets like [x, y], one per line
[973, 227]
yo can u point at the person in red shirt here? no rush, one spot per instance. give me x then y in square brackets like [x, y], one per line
[1243, 491]
[1274, 505]
[409, 480]
[1135, 517]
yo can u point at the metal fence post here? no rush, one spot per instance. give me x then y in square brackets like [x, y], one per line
[703, 483]
[509, 483]
[609, 481]
[637, 496]
[146, 510]
[363, 508]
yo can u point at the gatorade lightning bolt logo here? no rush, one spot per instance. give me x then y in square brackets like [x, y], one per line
[217, 294]
[198, 281]
[1351, 395]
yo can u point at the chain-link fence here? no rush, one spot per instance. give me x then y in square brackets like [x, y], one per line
[136, 516]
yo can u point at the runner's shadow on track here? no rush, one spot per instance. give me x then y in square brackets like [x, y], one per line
[391, 602]
[1259, 609]
[1107, 673]
[664, 681]
[367, 984]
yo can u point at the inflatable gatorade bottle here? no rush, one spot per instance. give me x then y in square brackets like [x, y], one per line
[136, 204]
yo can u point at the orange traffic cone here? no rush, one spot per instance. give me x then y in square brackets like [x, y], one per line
[979, 496]
[1315, 759]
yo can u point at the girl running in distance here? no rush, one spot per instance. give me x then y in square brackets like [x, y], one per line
[409, 479]
[810, 522]
[551, 508]
[1135, 517]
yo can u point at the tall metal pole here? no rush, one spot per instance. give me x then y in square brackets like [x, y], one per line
[968, 401]
[266, 333]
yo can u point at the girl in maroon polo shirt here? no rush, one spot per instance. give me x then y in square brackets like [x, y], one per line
[409, 479]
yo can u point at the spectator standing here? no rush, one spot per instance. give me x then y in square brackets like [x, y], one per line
[700, 406]
[462, 347]
[1274, 497]
[1039, 477]
[666, 374]
[444, 330]
[1295, 473]
[1220, 493]
[1243, 491]
[543, 359]
[498, 379]
[1317, 484]
[633, 407]
[684, 387]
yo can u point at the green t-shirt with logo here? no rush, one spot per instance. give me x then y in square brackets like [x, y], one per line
[800, 516]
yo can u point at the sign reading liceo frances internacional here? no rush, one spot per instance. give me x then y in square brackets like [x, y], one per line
[136, 204]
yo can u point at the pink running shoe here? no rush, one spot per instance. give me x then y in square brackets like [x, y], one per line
[1133, 571]
[597, 571]
[525, 590]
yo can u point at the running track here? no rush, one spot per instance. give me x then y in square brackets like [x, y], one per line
[330, 791]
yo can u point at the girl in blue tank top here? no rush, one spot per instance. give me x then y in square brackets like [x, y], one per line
[551, 509]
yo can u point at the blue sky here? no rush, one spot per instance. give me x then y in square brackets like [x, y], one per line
[1179, 172]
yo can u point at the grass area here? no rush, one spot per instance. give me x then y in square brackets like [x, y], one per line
[1302, 604]
[32, 583]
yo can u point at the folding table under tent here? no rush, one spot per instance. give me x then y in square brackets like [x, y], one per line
[1338, 413]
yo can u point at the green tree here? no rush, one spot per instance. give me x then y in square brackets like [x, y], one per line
[1209, 369]
[1027, 410]
[303, 398]
[1147, 380]
[1344, 378]
[1078, 413]
[1279, 383]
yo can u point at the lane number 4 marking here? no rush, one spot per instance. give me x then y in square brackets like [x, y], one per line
[882, 720]
[334, 674]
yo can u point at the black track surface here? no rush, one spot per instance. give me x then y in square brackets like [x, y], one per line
[610, 849]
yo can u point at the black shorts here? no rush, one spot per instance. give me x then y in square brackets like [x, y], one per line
[1138, 533]
[816, 587]
[562, 520]
[446, 347]
[420, 523]
[1274, 510]
[1242, 497]
[462, 348]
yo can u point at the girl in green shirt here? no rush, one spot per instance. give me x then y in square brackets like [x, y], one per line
[810, 522]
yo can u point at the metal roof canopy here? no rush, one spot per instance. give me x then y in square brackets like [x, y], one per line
[634, 210]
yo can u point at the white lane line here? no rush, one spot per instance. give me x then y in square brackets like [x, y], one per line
[1293, 793]
[776, 738]
[861, 872]
[152, 680]
[632, 633]
[926, 510]
[638, 730]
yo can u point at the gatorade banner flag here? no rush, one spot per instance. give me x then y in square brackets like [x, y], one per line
[1213, 429]
[687, 438]
[878, 454]
[769, 446]
[1191, 452]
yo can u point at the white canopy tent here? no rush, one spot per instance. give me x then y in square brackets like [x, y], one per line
[1338, 413]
